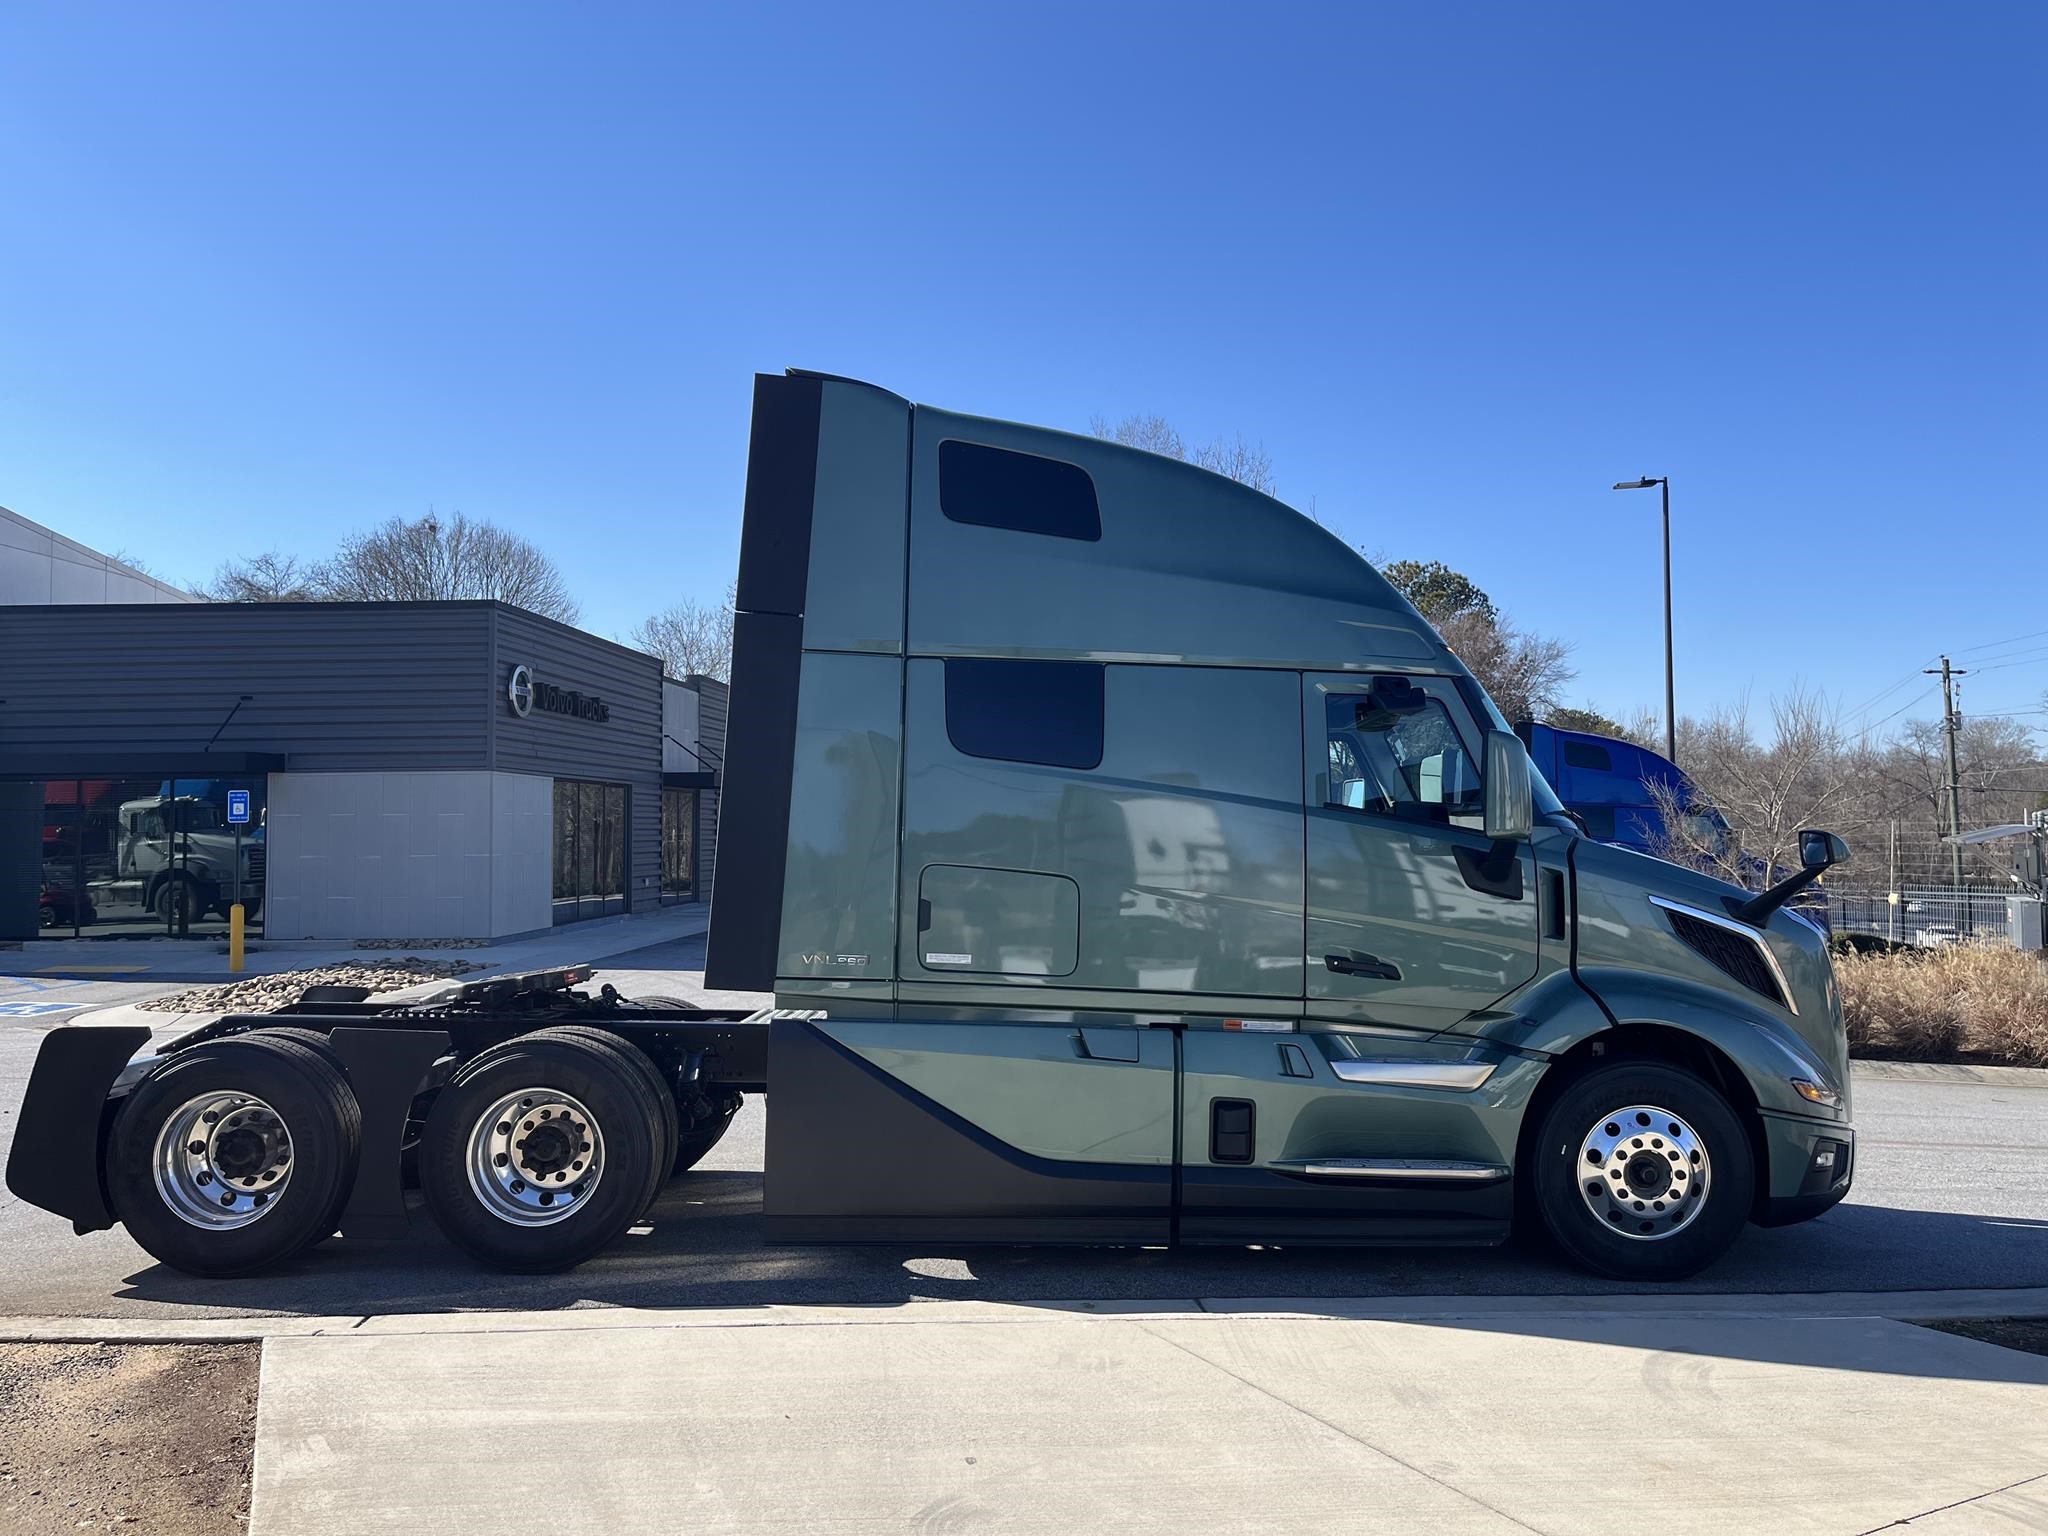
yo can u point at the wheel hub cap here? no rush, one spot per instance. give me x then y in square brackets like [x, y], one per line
[1644, 1172]
[535, 1156]
[222, 1160]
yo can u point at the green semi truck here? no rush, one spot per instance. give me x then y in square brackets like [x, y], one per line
[1130, 865]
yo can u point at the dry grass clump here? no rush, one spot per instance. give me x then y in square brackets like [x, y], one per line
[1981, 1001]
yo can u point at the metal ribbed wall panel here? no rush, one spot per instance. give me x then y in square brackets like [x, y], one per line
[336, 685]
[712, 697]
[624, 749]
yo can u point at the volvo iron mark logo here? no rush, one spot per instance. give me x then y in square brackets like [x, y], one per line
[525, 694]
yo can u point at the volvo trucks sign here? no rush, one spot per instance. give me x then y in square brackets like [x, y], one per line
[526, 693]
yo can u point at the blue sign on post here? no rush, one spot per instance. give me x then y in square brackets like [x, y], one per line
[238, 807]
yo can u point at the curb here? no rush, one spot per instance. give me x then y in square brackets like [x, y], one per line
[1903, 1306]
[1949, 1072]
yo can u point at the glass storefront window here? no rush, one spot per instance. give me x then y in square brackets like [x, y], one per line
[590, 850]
[678, 846]
[148, 858]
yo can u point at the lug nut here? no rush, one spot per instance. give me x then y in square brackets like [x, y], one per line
[583, 1147]
[547, 1114]
[528, 1126]
[577, 1166]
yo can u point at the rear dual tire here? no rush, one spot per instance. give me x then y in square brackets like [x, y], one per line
[235, 1155]
[542, 1151]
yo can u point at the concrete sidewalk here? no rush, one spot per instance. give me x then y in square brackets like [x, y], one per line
[204, 961]
[1055, 1420]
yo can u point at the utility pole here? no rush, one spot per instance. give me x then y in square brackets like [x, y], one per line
[1955, 779]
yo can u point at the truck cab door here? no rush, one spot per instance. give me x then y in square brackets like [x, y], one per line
[1415, 919]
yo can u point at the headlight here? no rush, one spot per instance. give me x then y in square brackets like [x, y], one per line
[1816, 1093]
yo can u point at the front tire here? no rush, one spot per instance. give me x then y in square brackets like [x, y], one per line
[1643, 1172]
[234, 1155]
[542, 1151]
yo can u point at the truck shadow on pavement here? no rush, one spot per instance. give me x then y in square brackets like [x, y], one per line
[702, 1247]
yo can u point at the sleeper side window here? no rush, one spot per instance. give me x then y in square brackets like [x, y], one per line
[1395, 751]
[1047, 712]
[996, 488]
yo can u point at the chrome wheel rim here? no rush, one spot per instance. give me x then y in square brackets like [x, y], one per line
[222, 1160]
[535, 1157]
[1644, 1173]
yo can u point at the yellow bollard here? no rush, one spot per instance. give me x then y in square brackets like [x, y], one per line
[235, 937]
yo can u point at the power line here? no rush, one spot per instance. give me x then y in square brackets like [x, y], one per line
[1971, 650]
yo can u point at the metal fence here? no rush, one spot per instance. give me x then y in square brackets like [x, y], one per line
[1927, 917]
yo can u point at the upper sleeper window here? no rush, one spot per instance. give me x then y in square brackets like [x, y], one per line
[1026, 711]
[1583, 754]
[995, 488]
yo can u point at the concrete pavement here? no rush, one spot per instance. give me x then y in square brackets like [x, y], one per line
[1042, 1420]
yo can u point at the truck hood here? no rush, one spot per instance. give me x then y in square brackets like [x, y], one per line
[1643, 914]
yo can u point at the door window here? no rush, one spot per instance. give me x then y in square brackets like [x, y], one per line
[1395, 751]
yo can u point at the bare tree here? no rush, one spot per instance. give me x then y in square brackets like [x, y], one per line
[1522, 672]
[1766, 791]
[445, 559]
[1247, 463]
[691, 637]
[270, 577]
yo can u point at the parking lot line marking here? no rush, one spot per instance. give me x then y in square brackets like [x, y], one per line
[88, 970]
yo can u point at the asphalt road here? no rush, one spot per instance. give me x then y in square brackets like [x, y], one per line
[1949, 1192]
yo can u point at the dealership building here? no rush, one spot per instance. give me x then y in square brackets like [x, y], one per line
[462, 770]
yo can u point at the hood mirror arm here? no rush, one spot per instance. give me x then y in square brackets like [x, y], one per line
[1758, 909]
[1819, 852]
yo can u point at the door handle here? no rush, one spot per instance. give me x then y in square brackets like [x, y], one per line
[1357, 963]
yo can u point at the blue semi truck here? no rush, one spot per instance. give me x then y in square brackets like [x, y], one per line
[1610, 785]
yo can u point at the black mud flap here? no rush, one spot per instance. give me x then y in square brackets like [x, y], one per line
[60, 1137]
[385, 1069]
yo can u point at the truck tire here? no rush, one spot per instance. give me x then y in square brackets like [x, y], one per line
[1643, 1172]
[698, 1141]
[178, 901]
[234, 1155]
[650, 1074]
[541, 1151]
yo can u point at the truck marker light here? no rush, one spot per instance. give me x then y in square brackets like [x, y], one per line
[1815, 1093]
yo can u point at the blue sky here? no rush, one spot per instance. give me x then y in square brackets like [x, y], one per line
[271, 273]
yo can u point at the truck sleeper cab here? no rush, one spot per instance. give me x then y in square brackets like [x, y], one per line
[1130, 864]
[1156, 874]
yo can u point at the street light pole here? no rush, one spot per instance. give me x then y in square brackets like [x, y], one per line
[1663, 483]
